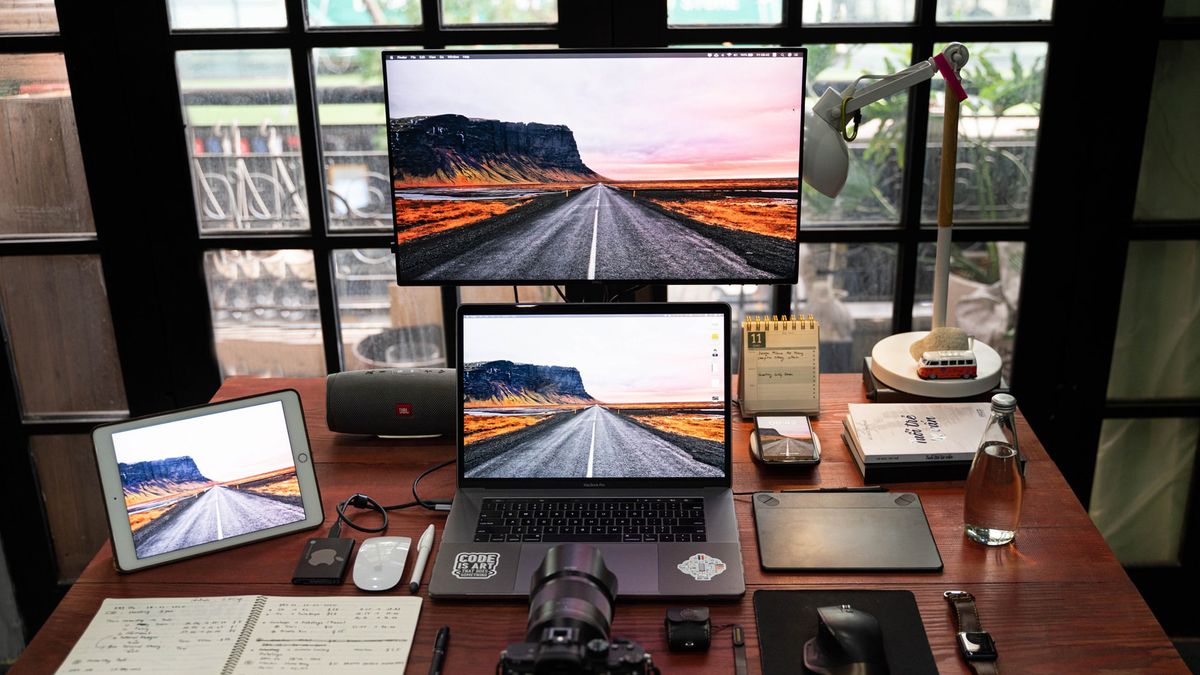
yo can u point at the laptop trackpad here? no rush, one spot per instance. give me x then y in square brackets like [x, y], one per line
[635, 566]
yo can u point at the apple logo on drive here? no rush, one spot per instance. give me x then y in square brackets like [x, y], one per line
[323, 556]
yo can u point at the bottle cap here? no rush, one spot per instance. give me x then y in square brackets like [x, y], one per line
[1004, 403]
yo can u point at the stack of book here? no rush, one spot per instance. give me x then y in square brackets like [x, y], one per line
[912, 442]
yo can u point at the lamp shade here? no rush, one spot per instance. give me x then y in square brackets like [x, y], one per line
[826, 158]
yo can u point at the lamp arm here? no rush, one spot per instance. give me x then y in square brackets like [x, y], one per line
[830, 104]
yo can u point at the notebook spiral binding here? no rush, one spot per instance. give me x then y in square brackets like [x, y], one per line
[239, 646]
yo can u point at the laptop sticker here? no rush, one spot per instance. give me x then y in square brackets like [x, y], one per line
[479, 566]
[702, 567]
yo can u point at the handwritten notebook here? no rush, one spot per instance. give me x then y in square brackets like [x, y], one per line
[780, 371]
[247, 634]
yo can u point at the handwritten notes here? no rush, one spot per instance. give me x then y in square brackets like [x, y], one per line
[247, 634]
[780, 366]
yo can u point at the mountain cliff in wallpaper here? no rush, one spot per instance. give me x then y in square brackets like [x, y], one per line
[161, 474]
[504, 383]
[456, 150]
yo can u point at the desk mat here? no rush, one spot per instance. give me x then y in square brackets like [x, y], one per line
[788, 619]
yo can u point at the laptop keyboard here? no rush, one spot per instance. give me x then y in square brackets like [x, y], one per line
[614, 519]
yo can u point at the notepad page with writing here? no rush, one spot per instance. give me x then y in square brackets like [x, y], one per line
[184, 635]
[325, 635]
[780, 366]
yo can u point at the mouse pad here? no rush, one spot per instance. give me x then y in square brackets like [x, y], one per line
[788, 619]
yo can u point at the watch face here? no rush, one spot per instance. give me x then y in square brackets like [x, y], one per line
[977, 646]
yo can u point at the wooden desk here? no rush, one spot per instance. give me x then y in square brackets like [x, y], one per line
[1057, 601]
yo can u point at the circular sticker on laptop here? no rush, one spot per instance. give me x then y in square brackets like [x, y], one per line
[702, 567]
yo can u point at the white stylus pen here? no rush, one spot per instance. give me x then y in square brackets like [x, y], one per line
[423, 547]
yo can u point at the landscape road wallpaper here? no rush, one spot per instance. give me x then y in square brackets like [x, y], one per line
[591, 397]
[207, 478]
[573, 168]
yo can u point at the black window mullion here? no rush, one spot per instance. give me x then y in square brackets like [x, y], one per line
[314, 183]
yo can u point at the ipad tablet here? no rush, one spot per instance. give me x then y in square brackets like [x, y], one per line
[202, 479]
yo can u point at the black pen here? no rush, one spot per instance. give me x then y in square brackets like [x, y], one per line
[439, 650]
[862, 488]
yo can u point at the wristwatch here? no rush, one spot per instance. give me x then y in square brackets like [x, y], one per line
[974, 643]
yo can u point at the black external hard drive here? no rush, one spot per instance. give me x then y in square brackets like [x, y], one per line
[324, 561]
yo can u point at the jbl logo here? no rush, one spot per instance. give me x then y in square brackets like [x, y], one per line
[403, 410]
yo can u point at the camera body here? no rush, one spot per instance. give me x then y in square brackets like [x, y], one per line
[571, 599]
[560, 651]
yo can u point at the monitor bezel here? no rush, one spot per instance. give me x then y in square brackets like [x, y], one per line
[643, 308]
[396, 248]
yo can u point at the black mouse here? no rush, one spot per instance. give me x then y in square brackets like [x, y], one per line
[848, 642]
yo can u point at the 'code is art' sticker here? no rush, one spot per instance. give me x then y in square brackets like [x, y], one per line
[478, 565]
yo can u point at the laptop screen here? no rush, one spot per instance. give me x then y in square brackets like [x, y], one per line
[594, 395]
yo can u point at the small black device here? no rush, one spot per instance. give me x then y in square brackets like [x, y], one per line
[975, 644]
[324, 561]
[688, 629]
[570, 619]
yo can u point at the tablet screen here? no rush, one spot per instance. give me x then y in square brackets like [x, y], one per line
[194, 481]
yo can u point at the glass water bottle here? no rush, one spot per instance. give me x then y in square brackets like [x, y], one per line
[992, 507]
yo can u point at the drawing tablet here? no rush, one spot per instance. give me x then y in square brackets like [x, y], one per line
[873, 531]
[203, 479]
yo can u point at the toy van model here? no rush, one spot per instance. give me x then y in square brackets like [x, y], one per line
[946, 365]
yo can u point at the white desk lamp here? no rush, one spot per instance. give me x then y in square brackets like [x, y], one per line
[826, 164]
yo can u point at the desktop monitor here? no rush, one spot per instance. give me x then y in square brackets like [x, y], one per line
[664, 166]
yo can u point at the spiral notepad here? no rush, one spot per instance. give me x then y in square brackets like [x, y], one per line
[247, 634]
[780, 366]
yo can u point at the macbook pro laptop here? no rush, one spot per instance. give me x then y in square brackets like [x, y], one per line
[605, 424]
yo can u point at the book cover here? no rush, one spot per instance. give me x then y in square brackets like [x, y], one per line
[917, 432]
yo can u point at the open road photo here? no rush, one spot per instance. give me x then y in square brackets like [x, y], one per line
[216, 513]
[598, 233]
[590, 442]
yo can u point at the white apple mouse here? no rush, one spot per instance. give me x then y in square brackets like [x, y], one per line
[379, 565]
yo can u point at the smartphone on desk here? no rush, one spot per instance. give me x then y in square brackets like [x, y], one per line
[784, 439]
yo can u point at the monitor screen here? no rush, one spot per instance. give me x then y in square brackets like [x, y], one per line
[198, 480]
[561, 166]
[594, 396]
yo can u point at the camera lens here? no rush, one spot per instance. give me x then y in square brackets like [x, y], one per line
[572, 589]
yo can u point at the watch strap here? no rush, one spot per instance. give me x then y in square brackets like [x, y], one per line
[966, 616]
[966, 620]
[739, 650]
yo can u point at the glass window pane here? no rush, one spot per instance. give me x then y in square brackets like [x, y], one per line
[266, 320]
[1181, 8]
[66, 472]
[327, 13]
[985, 283]
[349, 85]
[858, 11]
[469, 12]
[384, 325]
[1140, 492]
[994, 10]
[745, 300]
[199, 14]
[240, 111]
[43, 191]
[1169, 182]
[504, 294]
[849, 288]
[997, 133]
[1156, 353]
[872, 192]
[28, 16]
[724, 12]
[61, 335]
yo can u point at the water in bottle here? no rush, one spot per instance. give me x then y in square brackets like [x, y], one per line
[995, 486]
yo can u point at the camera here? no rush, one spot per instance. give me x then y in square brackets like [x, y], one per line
[571, 601]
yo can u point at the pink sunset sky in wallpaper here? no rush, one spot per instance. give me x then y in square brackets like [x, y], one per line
[671, 118]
